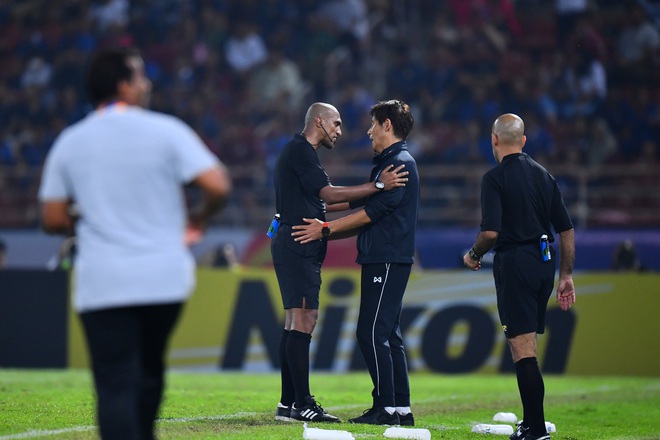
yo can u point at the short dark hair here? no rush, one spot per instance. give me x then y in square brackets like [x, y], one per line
[399, 114]
[107, 69]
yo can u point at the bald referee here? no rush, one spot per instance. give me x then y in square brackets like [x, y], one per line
[520, 203]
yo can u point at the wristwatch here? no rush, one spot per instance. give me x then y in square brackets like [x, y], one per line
[380, 185]
[326, 230]
[474, 255]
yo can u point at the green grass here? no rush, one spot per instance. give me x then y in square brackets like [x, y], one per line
[241, 406]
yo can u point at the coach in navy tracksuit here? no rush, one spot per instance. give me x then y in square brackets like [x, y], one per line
[386, 227]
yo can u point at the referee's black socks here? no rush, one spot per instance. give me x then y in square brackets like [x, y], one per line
[532, 392]
[297, 355]
[288, 395]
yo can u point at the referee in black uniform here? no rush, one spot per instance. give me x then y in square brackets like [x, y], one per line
[520, 202]
[303, 190]
[386, 224]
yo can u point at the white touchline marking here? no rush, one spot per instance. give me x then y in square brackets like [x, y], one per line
[39, 433]
[43, 433]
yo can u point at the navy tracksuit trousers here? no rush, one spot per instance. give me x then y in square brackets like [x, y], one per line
[379, 333]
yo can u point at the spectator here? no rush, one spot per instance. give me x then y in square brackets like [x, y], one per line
[444, 32]
[542, 104]
[602, 142]
[7, 154]
[215, 28]
[110, 13]
[497, 21]
[638, 47]
[479, 65]
[222, 256]
[245, 48]
[37, 73]
[276, 83]
[588, 37]
[352, 22]
[587, 81]
[625, 257]
[567, 14]
[481, 105]
[540, 142]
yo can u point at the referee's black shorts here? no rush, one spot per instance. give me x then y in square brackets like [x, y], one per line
[298, 269]
[524, 283]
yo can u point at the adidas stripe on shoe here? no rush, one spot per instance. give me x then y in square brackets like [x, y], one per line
[312, 412]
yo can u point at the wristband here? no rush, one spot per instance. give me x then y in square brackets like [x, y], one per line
[325, 231]
[474, 255]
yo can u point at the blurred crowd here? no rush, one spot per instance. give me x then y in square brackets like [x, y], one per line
[582, 74]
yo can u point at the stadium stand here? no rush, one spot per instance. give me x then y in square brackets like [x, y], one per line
[242, 72]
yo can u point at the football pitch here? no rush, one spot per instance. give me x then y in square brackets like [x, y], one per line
[59, 404]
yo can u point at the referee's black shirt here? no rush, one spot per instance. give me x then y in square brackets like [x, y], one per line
[299, 177]
[520, 199]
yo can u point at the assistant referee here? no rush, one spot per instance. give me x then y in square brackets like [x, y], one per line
[520, 202]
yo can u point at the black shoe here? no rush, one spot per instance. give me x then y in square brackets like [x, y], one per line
[377, 416]
[407, 420]
[533, 437]
[312, 412]
[520, 432]
[283, 413]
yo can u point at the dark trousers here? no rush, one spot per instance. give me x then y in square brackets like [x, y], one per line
[379, 333]
[127, 346]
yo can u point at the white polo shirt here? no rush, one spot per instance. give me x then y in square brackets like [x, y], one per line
[124, 167]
